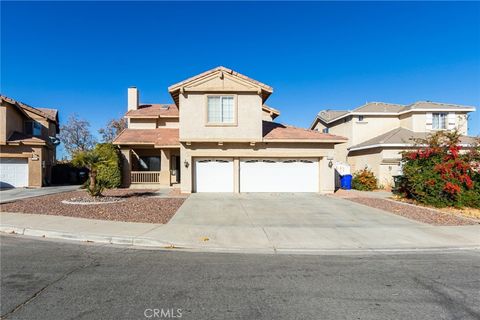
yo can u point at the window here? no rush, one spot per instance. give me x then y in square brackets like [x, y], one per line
[325, 130]
[360, 118]
[439, 121]
[220, 110]
[33, 128]
[149, 163]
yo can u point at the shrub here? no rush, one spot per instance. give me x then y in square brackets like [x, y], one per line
[109, 173]
[440, 173]
[103, 165]
[364, 180]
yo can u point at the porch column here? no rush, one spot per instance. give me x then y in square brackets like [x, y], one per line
[126, 165]
[165, 167]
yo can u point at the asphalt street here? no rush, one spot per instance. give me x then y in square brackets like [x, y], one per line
[43, 279]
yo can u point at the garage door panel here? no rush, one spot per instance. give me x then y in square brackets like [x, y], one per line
[214, 175]
[13, 172]
[278, 175]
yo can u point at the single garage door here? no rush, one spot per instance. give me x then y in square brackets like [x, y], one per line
[214, 175]
[279, 175]
[13, 172]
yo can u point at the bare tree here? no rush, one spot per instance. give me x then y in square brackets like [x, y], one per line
[75, 135]
[113, 129]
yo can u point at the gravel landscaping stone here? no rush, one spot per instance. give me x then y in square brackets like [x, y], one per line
[92, 200]
[135, 206]
[414, 212]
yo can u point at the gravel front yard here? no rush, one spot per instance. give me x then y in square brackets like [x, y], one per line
[139, 206]
[425, 215]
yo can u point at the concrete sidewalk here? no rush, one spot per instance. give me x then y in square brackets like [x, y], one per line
[9, 195]
[244, 239]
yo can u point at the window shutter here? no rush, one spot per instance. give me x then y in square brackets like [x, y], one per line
[451, 121]
[428, 121]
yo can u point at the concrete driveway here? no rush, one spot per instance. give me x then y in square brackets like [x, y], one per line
[296, 222]
[8, 195]
[293, 210]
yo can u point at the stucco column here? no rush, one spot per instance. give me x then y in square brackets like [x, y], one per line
[35, 170]
[327, 176]
[165, 167]
[126, 161]
[185, 173]
[236, 175]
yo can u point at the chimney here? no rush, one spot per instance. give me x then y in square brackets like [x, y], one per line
[132, 98]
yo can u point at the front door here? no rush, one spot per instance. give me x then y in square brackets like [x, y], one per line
[175, 169]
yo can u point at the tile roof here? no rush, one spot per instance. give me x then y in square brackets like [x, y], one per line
[274, 111]
[437, 105]
[154, 110]
[400, 136]
[51, 112]
[23, 106]
[224, 69]
[329, 116]
[275, 131]
[21, 138]
[380, 107]
[156, 137]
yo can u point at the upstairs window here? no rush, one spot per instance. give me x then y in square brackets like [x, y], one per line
[325, 130]
[33, 128]
[439, 121]
[220, 110]
[360, 118]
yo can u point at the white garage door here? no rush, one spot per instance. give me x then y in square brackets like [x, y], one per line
[278, 175]
[214, 175]
[13, 172]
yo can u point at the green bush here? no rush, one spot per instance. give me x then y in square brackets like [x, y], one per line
[440, 173]
[364, 180]
[109, 174]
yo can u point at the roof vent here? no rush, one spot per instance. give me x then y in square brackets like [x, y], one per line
[165, 106]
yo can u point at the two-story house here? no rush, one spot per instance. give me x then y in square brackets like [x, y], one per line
[27, 144]
[218, 135]
[377, 132]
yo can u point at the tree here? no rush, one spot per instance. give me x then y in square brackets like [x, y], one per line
[90, 159]
[76, 136]
[113, 129]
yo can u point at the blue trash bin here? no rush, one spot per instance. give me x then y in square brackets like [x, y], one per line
[346, 182]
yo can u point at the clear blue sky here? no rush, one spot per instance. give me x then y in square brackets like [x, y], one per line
[81, 57]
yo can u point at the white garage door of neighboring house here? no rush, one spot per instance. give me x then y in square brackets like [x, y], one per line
[279, 175]
[214, 175]
[13, 172]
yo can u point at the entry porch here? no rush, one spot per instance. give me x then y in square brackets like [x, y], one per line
[150, 167]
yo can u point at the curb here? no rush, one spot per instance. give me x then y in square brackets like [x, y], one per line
[149, 243]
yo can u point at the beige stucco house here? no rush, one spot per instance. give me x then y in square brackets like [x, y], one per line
[218, 135]
[27, 144]
[377, 132]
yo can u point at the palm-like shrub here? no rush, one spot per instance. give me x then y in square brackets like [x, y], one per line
[91, 160]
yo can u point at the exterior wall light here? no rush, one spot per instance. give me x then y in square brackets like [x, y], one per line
[330, 164]
[186, 164]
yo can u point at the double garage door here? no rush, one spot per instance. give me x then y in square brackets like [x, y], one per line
[257, 175]
[13, 172]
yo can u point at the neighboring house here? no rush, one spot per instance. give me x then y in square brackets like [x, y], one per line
[27, 144]
[377, 132]
[219, 136]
